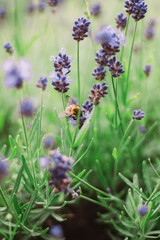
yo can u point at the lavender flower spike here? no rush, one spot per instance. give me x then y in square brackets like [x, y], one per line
[16, 74]
[60, 82]
[62, 62]
[138, 114]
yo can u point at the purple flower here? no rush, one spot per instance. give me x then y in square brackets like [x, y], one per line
[109, 40]
[16, 74]
[53, 3]
[60, 180]
[31, 7]
[115, 67]
[49, 142]
[8, 48]
[80, 29]
[121, 21]
[142, 210]
[62, 62]
[41, 5]
[3, 13]
[57, 232]
[27, 108]
[147, 70]
[138, 114]
[60, 82]
[95, 9]
[99, 73]
[42, 83]
[98, 91]
[3, 168]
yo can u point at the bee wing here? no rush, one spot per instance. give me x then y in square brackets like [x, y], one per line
[71, 101]
[62, 115]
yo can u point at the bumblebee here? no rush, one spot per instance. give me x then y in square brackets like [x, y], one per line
[72, 108]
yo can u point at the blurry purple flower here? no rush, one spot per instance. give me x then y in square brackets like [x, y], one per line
[8, 48]
[147, 69]
[138, 114]
[142, 129]
[53, 3]
[49, 142]
[108, 190]
[16, 74]
[142, 210]
[95, 9]
[27, 108]
[75, 194]
[3, 13]
[57, 232]
[31, 7]
[42, 83]
[109, 40]
[43, 162]
[41, 5]
[60, 180]
[3, 168]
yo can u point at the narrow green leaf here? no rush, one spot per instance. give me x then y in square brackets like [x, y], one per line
[82, 132]
[32, 200]
[79, 175]
[3, 149]
[2, 233]
[100, 174]
[57, 217]
[24, 206]
[13, 153]
[17, 183]
[130, 184]
[114, 153]
[2, 209]
[4, 198]
[132, 203]
[132, 99]
[149, 160]
[121, 230]
[36, 234]
[57, 207]
[29, 44]
[146, 177]
[16, 204]
[33, 128]
[27, 170]
[78, 160]
[11, 141]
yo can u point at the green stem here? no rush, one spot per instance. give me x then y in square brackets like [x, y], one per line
[126, 31]
[117, 106]
[40, 125]
[4, 198]
[27, 144]
[94, 201]
[129, 64]
[68, 130]
[78, 76]
[90, 186]
[125, 134]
